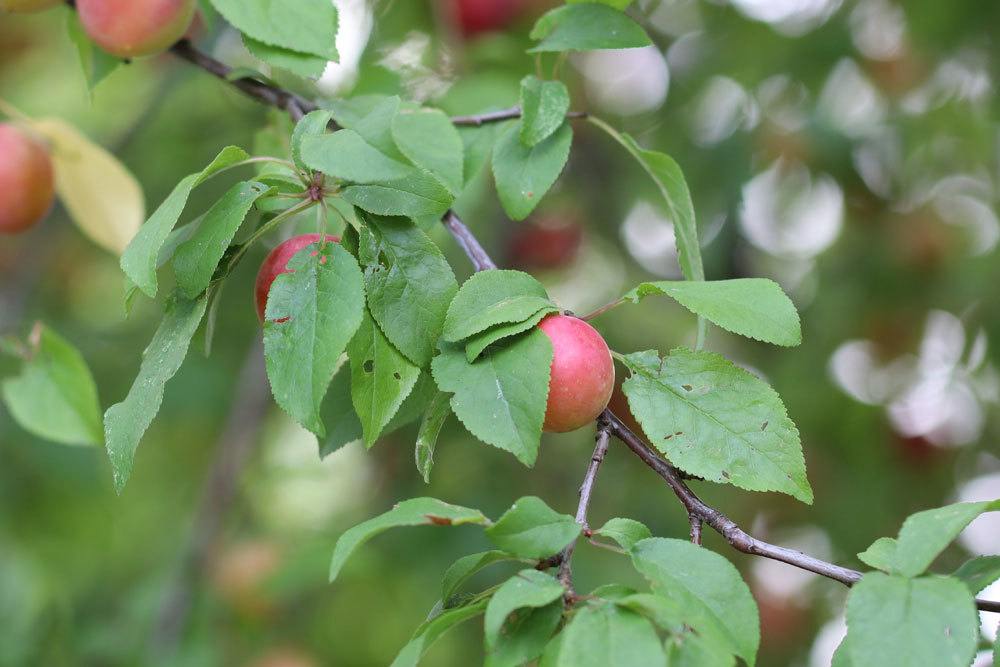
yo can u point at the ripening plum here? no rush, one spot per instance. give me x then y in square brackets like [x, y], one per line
[582, 373]
[27, 181]
[276, 263]
[131, 28]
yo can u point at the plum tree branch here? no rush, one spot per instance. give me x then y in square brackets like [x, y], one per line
[698, 511]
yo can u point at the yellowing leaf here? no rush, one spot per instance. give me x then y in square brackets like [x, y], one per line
[101, 195]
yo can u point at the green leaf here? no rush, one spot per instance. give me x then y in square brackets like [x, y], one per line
[923, 536]
[669, 179]
[345, 154]
[715, 599]
[543, 108]
[524, 174]
[415, 405]
[381, 378]
[371, 117]
[586, 26]
[527, 588]
[665, 613]
[689, 649]
[409, 285]
[429, 140]
[313, 124]
[500, 398]
[463, 568]
[978, 573]
[431, 630]
[717, 421]
[842, 656]
[605, 635]
[306, 65]
[430, 428]
[196, 259]
[413, 512]
[339, 418]
[532, 529]
[306, 26]
[139, 260]
[752, 307]
[524, 636]
[126, 422]
[312, 313]
[96, 63]
[620, 5]
[489, 298]
[478, 143]
[414, 196]
[925, 622]
[54, 396]
[626, 532]
[475, 345]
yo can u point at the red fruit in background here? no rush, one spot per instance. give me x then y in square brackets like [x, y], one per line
[582, 373]
[130, 28]
[551, 242]
[276, 263]
[27, 182]
[27, 6]
[478, 16]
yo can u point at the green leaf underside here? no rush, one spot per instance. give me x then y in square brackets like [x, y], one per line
[500, 398]
[543, 109]
[464, 568]
[625, 532]
[489, 298]
[196, 259]
[669, 179]
[665, 613]
[978, 573]
[409, 286]
[429, 140]
[524, 636]
[306, 65]
[717, 421]
[413, 512]
[688, 649]
[54, 395]
[126, 422]
[476, 344]
[923, 536]
[381, 378]
[604, 635]
[527, 588]
[345, 154]
[95, 63]
[313, 124]
[478, 144]
[341, 421]
[430, 427]
[414, 196]
[430, 631]
[716, 601]
[587, 26]
[312, 313]
[532, 529]
[139, 261]
[925, 622]
[753, 307]
[305, 26]
[524, 174]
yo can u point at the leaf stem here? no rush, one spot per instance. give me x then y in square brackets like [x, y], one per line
[603, 309]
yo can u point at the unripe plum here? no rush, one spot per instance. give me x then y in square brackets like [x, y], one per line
[27, 182]
[130, 28]
[27, 6]
[582, 373]
[276, 263]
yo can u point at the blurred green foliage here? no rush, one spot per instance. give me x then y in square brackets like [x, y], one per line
[83, 572]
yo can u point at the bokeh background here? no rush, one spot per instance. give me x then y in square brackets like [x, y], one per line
[849, 149]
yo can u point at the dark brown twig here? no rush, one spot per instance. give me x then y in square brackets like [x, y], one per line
[478, 120]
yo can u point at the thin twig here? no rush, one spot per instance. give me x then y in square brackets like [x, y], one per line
[695, 529]
[478, 120]
[565, 558]
[480, 259]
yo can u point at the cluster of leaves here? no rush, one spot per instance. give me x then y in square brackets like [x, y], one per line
[374, 332]
[698, 614]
